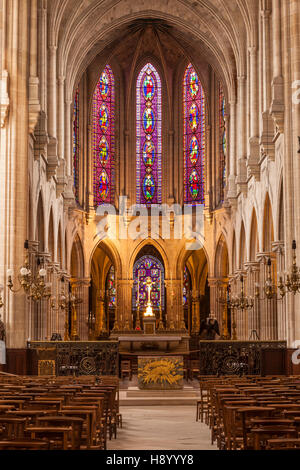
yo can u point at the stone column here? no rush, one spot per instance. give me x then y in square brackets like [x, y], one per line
[170, 317]
[14, 169]
[100, 312]
[241, 131]
[294, 12]
[278, 248]
[253, 269]
[213, 285]
[52, 101]
[124, 310]
[277, 107]
[253, 159]
[172, 176]
[232, 148]
[269, 322]
[61, 117]
[195, 311]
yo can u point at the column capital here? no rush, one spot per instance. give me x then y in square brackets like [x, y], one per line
[252, 266]
[52, 48]
[252, 50]
[278, 246]
[264, 256]
[265, 13]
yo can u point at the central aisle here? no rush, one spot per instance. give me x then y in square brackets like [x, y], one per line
[161, 428]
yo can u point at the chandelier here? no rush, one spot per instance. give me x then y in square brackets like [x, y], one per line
[241, 301]
[269, 287]
[34, 286]
[292, 281]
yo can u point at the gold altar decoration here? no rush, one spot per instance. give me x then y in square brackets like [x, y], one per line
[160, 373]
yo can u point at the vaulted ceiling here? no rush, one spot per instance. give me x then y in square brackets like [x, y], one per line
[217, 31]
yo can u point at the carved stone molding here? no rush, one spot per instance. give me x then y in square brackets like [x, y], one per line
[34, 107]
[4, 97]
[52, 160]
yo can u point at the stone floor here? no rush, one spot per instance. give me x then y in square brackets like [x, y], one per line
[161, 428]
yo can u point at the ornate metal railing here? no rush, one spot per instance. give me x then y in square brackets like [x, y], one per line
[235, 357]
[75, 357]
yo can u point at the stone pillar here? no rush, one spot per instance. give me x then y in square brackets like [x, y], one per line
[52, 102]
[277, 106]
[253, 159]
[253, 269]
[61, 117]
[100, 313]
[172, 176]
[232, 156]
[268, 307]
[14, 169]
[266, 59]
[294, 12]
[67, 136]
[278, 248]
[124, 310]
[241, 131]
[241, 315]
[195, 311]
[213, 285]
[170, 317]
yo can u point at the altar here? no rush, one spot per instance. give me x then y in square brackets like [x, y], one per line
[153, 343]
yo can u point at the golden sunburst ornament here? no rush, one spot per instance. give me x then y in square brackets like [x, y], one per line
[160, 373]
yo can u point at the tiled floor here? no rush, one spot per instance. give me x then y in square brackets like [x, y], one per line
[161, 428]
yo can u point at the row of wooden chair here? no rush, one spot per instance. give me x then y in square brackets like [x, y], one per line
[58, 412]
[251, 412]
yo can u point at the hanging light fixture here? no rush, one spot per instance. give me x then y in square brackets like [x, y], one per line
[292, 281]
[34, 287]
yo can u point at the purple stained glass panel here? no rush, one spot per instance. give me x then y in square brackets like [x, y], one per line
[148, 137]
[194, 138]
[103, 138]
[148, 266]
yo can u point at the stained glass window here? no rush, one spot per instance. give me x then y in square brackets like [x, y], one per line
[149, 137]
[186, 287]
[223, 141]
[111, 287]
[103, 138]
[76, 148]
[194, 137]
[148, 266]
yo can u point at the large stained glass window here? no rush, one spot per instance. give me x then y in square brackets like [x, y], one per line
[148, 137]
[76, 148]
[223, 141]
[194, 137]
[103, 138]
[148, 266]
